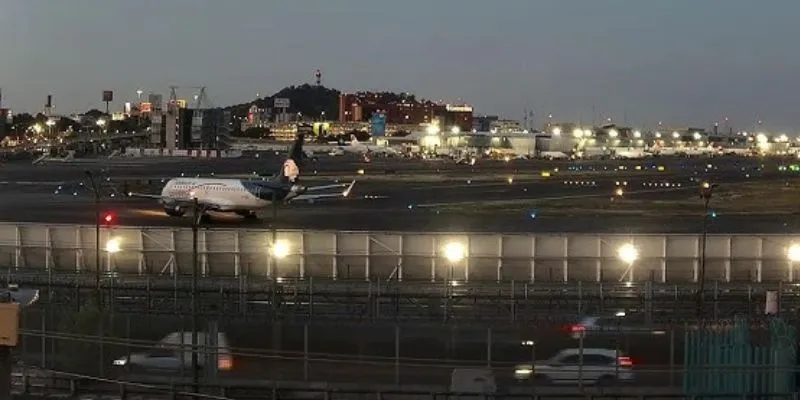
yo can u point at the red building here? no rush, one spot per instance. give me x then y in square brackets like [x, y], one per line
[401, 108]
[456, 115]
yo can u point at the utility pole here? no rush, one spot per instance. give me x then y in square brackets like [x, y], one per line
[97, 265]
[706, 190]
[197, 217]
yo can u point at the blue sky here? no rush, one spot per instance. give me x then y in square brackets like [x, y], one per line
[678, 61]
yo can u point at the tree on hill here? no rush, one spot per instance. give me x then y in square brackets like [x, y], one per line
[21, 122]
[309, 100]
[95, 114]
[63, 123]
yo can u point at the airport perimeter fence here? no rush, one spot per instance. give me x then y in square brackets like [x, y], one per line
[392, 354]
[482, 302]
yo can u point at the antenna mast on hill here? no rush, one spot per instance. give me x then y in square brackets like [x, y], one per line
[318, 76]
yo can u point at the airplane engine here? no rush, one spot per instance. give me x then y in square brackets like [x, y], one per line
[174, 211]
[294, 191]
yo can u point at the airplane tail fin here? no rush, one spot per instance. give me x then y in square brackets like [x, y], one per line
[291, 167]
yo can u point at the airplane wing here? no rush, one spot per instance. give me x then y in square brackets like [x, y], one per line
[207, 204]
[311, 197]
[145, 196]
[326, 187]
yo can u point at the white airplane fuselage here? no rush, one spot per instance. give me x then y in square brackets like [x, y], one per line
[227, 194]
[357, 147]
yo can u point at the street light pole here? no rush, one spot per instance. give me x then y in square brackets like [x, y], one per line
[96, 193]
[706, 190]
[196, 217]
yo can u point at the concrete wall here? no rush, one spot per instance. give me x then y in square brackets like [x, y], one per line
[408, 256]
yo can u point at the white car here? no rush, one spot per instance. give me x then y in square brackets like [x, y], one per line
[168, 355]
[602, 367]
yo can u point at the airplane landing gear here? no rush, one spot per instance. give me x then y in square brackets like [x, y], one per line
[248, 214]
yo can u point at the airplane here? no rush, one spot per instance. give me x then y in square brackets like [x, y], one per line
[357, 147]
[553, 155]
[630, 153]
[242, 196]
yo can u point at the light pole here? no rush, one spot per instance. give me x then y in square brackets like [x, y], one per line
[793, 254]
[454, 252]
[197, 216]
[706, 190]
[113, 246]
[278, 250]
[139, 93]
[532, 345]
[628, 253]
[96, 193]
[619, 316]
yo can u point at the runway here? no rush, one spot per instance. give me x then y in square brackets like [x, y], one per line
[400, 194]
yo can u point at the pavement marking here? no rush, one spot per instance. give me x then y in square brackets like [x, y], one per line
[567, 197]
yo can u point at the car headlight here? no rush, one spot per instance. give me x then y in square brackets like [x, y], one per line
[523, 371]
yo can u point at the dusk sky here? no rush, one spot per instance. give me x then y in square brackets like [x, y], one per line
[685, 62]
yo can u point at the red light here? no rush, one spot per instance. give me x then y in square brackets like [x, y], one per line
[108, 218]
[577, 328]
[625, 362]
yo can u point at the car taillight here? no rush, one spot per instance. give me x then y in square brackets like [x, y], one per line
[224, 362]
[577, 328]
[625, 362]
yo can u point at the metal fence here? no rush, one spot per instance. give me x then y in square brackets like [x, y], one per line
[402, 255]
[88, 342]
[390, 301]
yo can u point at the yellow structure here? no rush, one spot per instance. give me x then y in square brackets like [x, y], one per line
[9, 324]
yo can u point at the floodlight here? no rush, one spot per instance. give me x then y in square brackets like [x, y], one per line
[113, 245]
[628, 253]
[793, 253]
[280, 249]
[454, 252]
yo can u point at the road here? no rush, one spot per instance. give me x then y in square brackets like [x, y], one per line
[396, 194]
[349, 323]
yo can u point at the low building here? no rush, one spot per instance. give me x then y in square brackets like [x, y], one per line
[505, 126]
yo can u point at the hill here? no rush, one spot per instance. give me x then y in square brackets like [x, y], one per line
[310, 100]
